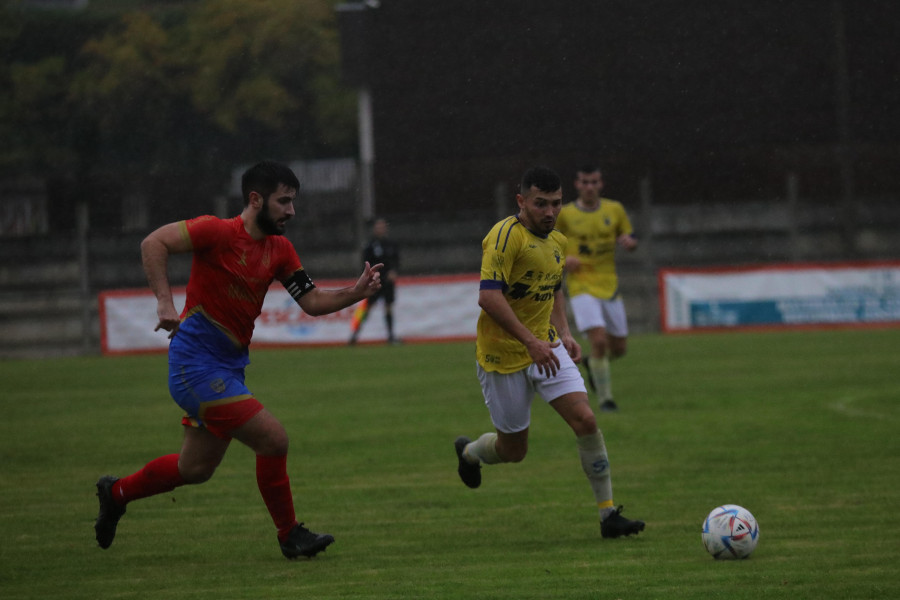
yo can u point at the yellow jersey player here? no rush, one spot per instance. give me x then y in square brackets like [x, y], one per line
[595, 226]
[524, 347]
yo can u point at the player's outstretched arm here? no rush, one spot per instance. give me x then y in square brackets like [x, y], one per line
[322, 302]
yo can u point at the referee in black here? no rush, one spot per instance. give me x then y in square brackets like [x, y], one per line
[380, 249]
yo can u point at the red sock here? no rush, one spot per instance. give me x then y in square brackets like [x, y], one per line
[158, 476]
[275, 487]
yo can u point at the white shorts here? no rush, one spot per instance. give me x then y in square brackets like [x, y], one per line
[508, 395]
[590, 312]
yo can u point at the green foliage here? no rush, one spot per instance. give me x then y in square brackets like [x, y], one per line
[42, 109]
[251, 57]
[799, 427]
[174, 87]
[128, 86]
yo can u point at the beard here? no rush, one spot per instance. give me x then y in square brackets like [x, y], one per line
[536, 223]
[267, 224]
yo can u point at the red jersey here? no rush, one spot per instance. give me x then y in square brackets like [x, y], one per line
[231, 272]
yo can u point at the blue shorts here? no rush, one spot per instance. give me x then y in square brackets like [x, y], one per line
[211, 397]
[206, 378]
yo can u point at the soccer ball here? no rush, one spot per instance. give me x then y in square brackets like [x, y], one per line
[730, 532]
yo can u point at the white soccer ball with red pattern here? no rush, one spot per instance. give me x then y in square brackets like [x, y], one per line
[730, 532]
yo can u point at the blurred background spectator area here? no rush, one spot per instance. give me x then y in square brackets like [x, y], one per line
[733, 132]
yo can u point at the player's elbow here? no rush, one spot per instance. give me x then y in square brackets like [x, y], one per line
[311, 305]
[487, 299]
[312, 309]
[151, 245]
[487, 305]
[165, 240]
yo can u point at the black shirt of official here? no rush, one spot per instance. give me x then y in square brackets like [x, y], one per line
[382, 251]
[387, 252]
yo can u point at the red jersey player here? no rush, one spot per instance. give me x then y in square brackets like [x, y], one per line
[234, 263]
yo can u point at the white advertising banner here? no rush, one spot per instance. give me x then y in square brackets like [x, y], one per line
[425, 309]
[781, 295]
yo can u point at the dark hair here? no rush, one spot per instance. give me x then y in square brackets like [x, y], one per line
[543, 178]
[589, 168]
[265, 177]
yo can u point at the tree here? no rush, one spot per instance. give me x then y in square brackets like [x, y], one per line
[130, 87]
[169, 99]
[268, 74]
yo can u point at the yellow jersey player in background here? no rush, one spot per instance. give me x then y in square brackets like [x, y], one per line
[595, 226]
[524, 347]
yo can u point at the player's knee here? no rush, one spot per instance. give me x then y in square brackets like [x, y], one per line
[265, 435]
[583, 423]
[275, 444]
[599, 349]
[618, 347]
[194, 473]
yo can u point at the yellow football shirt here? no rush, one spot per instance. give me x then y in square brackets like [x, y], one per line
[528, 269]
[592, 239]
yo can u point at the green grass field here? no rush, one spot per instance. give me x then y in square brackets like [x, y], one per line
[799, 427]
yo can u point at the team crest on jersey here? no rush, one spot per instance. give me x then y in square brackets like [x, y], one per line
[557, 256]
[217, 385]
